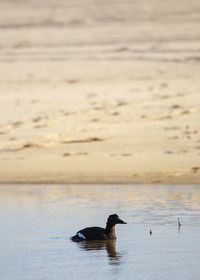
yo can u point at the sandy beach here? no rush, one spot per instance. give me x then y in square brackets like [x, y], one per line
[100, 92]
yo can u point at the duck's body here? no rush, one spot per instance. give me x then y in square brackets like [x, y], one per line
[99, 233]
[90, 233]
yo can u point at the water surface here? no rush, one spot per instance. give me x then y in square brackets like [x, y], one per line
[38, 220]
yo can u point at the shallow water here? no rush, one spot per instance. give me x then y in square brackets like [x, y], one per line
[37, 222]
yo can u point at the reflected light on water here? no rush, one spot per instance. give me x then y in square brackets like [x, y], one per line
[109, 246]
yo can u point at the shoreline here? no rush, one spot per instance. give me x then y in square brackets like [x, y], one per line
[101, 169]
[140, 179]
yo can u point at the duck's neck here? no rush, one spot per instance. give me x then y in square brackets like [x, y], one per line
[110, 231]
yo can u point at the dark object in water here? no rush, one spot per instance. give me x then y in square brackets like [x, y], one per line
[98, 233]
[179, 223]
[150, 232]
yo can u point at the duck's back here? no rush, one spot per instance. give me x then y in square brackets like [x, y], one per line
[91, 233]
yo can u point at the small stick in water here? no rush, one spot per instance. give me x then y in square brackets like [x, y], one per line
[179, 223]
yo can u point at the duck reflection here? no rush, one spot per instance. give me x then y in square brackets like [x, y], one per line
[108, 245]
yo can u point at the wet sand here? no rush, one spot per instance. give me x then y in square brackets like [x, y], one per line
[100, 92]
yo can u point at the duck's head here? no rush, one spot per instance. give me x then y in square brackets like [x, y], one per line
[114, 219]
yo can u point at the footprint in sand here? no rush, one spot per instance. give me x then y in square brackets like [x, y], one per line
[7, 128]
[177, 111]
[173, 137]
[17, 124]
[122, 103]
[169, 152]
[87, 140]
[95, 120]
[172, 128]
[75, 154]
[29, 146]
[177, 152]
[42, 122]
[195, 169]
[3, 131]
[114, 113]
[37, 119]
[73, 81]
[41, 126]
[25, 146]
[175, 106]
[184, 112]
[188, 133]
[156, 117]
[119, 155]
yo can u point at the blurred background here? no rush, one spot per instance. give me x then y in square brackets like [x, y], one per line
[88, 82]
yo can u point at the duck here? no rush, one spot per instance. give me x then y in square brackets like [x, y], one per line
[99, 233]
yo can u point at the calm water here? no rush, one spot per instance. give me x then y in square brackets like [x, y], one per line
[37, 221]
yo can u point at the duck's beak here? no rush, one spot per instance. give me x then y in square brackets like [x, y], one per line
[119, 221]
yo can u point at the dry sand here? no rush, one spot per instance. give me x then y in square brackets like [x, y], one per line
[100, 91]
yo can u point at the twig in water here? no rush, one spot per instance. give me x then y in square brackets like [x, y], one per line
[179, 225]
